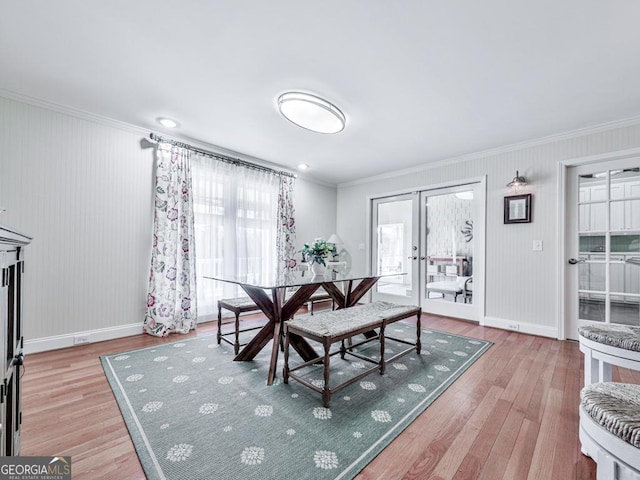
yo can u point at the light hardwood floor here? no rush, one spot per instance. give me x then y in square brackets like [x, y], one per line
[513, 415]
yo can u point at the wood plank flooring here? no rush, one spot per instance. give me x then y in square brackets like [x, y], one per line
[513, 415]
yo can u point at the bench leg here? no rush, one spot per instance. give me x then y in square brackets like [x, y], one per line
[236, 345]
[285, 370]
[219, 336]
[326, 393]
[418, 332]
[382, 363]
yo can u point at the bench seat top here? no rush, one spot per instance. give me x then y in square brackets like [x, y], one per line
[238, 302]
[621, 336]
[340, 322]
[616, 407]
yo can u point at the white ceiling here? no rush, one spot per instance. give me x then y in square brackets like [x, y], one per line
[419, 81]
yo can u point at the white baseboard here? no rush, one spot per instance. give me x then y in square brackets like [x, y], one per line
[63, 341]
[522, 327]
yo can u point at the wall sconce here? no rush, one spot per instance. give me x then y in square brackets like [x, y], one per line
[518, 183]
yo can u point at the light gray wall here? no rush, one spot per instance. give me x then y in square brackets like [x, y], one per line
[83, 191]
[82, 187]
[316, 207]
[521, 285]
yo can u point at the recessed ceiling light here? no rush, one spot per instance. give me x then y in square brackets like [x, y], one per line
[303, 166]
[311, 112]
[168, 122]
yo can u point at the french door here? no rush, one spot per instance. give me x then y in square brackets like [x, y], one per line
[395, 243]
[603, 244]
[434, 241]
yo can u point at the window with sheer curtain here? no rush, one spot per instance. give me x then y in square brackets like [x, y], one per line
[236, 220]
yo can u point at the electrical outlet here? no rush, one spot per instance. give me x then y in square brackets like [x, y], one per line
[80, 339]
[513, 326]
[537, 245]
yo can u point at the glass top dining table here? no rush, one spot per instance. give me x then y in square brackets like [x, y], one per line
[279, 298]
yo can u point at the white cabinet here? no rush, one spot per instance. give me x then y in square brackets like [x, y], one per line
[624, 206]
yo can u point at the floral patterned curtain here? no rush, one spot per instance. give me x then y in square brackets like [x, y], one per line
[171, 300]
[286, 233]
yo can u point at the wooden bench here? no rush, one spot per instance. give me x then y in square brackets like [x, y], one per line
[330, 327]
[606, 345]
[610, 429]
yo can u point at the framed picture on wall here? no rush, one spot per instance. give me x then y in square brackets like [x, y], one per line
[517, 209]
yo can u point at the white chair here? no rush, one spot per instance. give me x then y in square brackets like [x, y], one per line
[607, 345]
[454, 287]
[610, 429]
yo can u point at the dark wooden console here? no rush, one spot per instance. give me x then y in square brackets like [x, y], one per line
[12, 246]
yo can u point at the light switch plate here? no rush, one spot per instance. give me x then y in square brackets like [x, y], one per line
[537, 245]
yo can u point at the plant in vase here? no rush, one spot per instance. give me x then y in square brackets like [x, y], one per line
[317, 252]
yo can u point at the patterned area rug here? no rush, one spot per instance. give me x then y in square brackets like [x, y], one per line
[194, 413]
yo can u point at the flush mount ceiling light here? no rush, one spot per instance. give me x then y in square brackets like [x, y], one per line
[303, 166]
[311, 112]
[168, 122]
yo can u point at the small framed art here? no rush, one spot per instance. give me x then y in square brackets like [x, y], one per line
[517, 209]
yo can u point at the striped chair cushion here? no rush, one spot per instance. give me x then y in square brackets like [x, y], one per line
[615, 406]
[621, 336]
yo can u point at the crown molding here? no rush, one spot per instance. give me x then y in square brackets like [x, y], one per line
[557, 137]
[100, 119]
[71, 111]
[110, 122]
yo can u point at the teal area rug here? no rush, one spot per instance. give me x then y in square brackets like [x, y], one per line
[194, 413]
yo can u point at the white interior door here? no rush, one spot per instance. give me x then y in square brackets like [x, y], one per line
[603, 244]
[452, 251]
[394, 242]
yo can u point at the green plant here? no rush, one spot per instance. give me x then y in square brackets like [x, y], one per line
[318, 251]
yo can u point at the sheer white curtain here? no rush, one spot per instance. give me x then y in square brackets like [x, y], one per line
[236, 219]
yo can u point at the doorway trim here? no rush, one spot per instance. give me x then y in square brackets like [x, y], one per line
[563, 167]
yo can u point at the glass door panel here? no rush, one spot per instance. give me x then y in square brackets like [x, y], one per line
[449, 252]
[450, 217]
[395, 248]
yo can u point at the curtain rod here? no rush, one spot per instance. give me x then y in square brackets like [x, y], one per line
[217, 156]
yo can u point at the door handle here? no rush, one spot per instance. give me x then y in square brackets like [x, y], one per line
[412, 258]
[573, 261]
